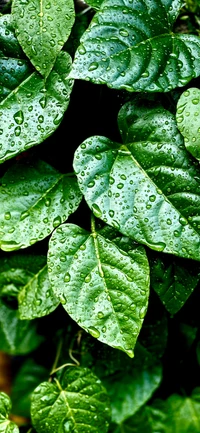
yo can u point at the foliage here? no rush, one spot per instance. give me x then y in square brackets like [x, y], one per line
[100, 215]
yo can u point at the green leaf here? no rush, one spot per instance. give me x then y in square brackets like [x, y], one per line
[34, 200]
[129, 391]
[96, 4]
[17, 337]
[37, 299]
[174, 281]
[42, 28]
[103, 288]
[31, 108]
[188, 119]
[147, 188]
[78, 403]
[131, 46]
[6, 426]
[28, 377]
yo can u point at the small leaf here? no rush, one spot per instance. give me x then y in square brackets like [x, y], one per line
[174, 281]
[147, 188]
[34, 200]
[42, 28]
[103, 288]
[188, 120]
[78, 403]
[6, 426]
[17, 337]
[130, 45]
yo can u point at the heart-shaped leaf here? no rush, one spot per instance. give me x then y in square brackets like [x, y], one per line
[31, 108]
[188, 119]
[130, 45]
[103, 288]
[42, 28]
[33, 201]
[78, 403]
[147, 188]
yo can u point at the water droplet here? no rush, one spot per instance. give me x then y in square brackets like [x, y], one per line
[111, 213]
[94, 332]
[18, 131]
[96, 210]
[195, 101]
[19, 117]
[88, 278]
[91, 184]
[123, 32]
[130, 353]
[183, 221]
[93, 66]
[120, 185]
[57, 221]
[43, 101]
[24, 215]
[67, 278]
[41, 119]
[47, 202]
[81, 49]
[152, 198]
[142, 312]
[7, 215]
[100, 315]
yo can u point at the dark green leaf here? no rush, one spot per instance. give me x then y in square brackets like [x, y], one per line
[188, 119]
[78, 403]
[6, 426]
[31, 108]
[147, 188]
[103, 288]
[17, 337]
[29, 376]
[174, 281]
[130, 45]
[34, 200]
[42, 28]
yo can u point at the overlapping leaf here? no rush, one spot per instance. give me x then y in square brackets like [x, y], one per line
[31, 108]
[42, 28]
[103, 288]
[174, 281]
[148, 187]
[6, 426]
[130, 45]
[188, 119]
[78, 403]
[33, 201]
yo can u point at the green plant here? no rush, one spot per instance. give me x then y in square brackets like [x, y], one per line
[100, 221]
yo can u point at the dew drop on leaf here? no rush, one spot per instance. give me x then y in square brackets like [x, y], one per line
[94, 332]
[19, 117]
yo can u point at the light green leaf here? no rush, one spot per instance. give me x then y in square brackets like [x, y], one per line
[28, 377]
[6, 426]
[30, 107]
[147, 188]
[174, 281]
[34, 199]
[188, 120]
[42, 27]
[129, 391]
[17, 337]
[78, 403]
[103, 288]
[130, 45]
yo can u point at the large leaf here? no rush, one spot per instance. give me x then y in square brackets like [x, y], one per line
[33, 201]
[17, 337]
[174, 281]
[42, 28]
[78, 403]
[6, 426]
[148, 187]
[130, 45]
[104, 288]
[188, 119]
[31, 108]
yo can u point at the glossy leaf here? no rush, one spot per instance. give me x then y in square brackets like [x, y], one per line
[96, 4]
[31, 108]
[188, 120]
[27, 379]
[129, 391]
[103, 288]
[17, 337]
[77, 403]
[130, 45]
[148, 187]
[42, 28]
[14, 67]
[34, 200]
[6, 426]
[174, 281]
